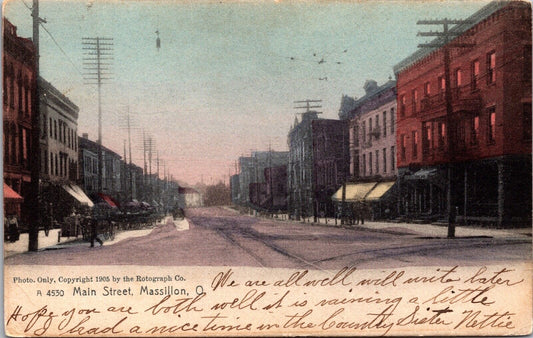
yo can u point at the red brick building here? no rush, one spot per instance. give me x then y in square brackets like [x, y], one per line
[18, 64]
[487, 136]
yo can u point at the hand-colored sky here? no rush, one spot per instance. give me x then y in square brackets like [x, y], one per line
[223, 82]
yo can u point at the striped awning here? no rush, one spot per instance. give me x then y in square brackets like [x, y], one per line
[354, 191]
[379, 190]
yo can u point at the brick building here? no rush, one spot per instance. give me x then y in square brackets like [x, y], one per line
[318, 164]
[487, 135]
[18, 62]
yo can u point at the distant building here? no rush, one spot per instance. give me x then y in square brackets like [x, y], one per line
[189, 198]
[318, 164]
[252, 171]
[112, 170]
[235, 188]
[18, 62]
[485, 141]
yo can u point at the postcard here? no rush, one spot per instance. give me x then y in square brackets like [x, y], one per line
[267, 168]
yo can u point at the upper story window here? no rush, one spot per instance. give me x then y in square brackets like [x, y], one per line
[458, 78]
[442, 84]
[402, 105]
[492, 126]
[491, 67]
[475, 74]
[370, 130]
[414, 100]
[384, 124]
[415, 143]
[427, 89]
[364, 131]
[442, 134]
[474, 130]
[392, 119]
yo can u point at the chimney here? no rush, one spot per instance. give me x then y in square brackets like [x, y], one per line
[85, 136]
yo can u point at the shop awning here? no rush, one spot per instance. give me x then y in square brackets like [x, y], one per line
[422, 174]
[10, 194]
[78, 194]
[108, 200]
[379, 190]
[354, 191]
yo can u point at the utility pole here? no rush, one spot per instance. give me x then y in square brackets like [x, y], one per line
[443, 41]
[35, 158]
[99, 55]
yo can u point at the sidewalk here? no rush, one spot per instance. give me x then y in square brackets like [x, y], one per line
[419, 230]
[44, 241]
[50, 242]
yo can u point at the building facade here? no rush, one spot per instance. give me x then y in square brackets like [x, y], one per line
[18, 62]
[318, 164]
[252, 169]
[112, 170]
[59, 138]
[373, 133]
[476, 146]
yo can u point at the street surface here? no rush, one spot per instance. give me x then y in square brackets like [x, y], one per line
[223, 237]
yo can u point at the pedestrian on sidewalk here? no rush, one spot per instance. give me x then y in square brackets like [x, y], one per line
[94, 232]
[13, 229]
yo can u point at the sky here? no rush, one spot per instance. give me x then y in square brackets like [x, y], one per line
[227, 74]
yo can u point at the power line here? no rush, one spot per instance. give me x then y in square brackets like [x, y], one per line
[61, 49]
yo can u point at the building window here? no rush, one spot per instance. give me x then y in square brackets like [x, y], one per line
[392, 159]
[458, 78]
[461, 134]
[384, 124]
[491, 67]
[370, 130]
[402, 105]
[402, 147]
[363, 170]
[442, 85]
[370, 163]
[442, 135]
[377, 162]
[392, 119]
[526, 121]
[56, 165]
[364, 132]
[426, 137]
[414, 100]
[384, 160]
[427, 89]
[377, 129]
[474, 130]
[492, 125]
[55, 130]
[415, 143]
[475, 74]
